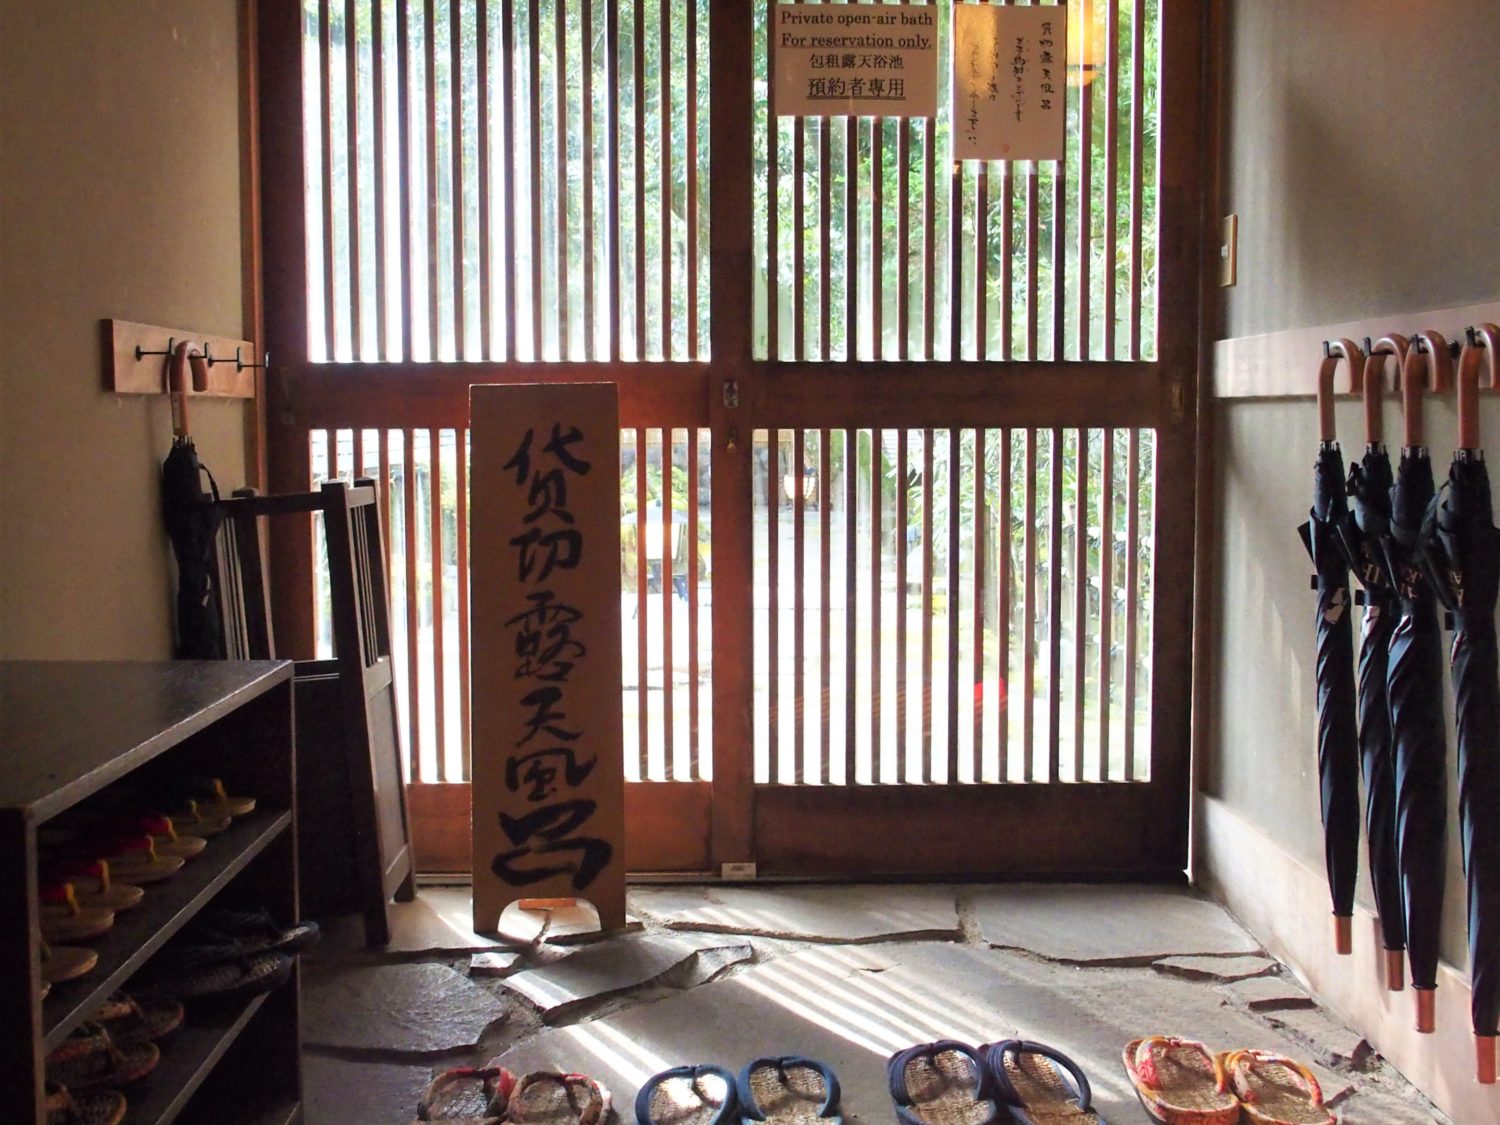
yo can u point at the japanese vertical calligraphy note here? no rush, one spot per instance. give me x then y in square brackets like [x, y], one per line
[548, 775]
[855, 59]
[1009, 82]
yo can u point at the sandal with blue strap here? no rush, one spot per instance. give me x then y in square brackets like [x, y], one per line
[1040, 1084]
[689, 1095]
[788, 1090]
[942, 1083]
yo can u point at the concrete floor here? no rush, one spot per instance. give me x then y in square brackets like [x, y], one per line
[846, 974]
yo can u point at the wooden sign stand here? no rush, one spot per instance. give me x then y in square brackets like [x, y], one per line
[548, 767]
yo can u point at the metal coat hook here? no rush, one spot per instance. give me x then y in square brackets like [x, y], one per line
[241, 365]
[141, 354]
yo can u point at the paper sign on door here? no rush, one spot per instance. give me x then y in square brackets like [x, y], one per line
[876, 60]
[1009, 82]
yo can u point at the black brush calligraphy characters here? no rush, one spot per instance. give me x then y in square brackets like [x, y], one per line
[549, 760]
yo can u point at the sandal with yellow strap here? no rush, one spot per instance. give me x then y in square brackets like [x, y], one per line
[1180, 1082]
[1274, 1089]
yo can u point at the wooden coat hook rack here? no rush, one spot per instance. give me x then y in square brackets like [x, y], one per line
[137, 359]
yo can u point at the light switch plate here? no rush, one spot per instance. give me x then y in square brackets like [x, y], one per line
[1229, 251]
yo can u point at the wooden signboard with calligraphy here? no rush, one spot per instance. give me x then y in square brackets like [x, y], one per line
[548, 773]
[855, 60]
[1009, 82]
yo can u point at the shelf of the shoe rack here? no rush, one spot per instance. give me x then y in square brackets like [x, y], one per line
[188, 1055]
[168, 905]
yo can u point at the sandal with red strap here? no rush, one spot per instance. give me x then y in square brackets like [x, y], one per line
[92, 884]
[1180, 1082]
[64, 918]
[1275, 1089]
[467, 1095]
[544, 1097]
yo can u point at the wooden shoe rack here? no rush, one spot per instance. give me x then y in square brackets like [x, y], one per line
[72, 733]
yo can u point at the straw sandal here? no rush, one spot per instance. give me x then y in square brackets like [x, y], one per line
[680, 1097]
[164, 835]
[92, 885]
[1179, 1082]
[467, 1095]
[129, 1020]
[198, 973]
[89, 1057]
[102, 1107]
[213, 801]
[134, 859]
[251, 931]
[942, 1083]
[1274, 1089]
[789, 1090]
[66, 962]
[193, 821]
[1040, 1084]
[547, 1098]
[64, 919]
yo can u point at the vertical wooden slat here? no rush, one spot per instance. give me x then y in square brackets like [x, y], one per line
[1054, 610]
[640, 178]
[1059, 260]
[981, 266]
[586, 65]
[409, 534]
[456, 169]
[956, 265]
[799, 602]
[1137, 165]
[904, 127]
[773, 207]
[351, 165]
[825, 601]
[1002, 601]
[614, 229]
[1132, 590]
[377, 118]
[877, 604]
[1085, 185]
[332, 439]
[387, 516]
[461, 528]
[693, 351]
[561, 132]
[929, 237]
[429, 56]
[694, 498]
[1080, 595]
[534, 44]
[1028, 612]
[643, 728]
[325, 48]
[773, 578]
[1111, 169]
[1007, 259]
[955, 530]
[508, 147]
[664, 192]
[435, 541]
[825, 238]
[851, 238]
[851, 593]
[359, 453]
[669, 730]
[929, 550]
[1033, 254]
[404, 155]
[799, 239]
[482, 123]
[1106, 595]
[976, 596]
[877, 239]
[900, 547]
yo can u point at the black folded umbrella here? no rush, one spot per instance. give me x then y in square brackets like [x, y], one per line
[1369, 487]
[1324, 535]
[1464, 553]
[1414, 682]
[192, 521]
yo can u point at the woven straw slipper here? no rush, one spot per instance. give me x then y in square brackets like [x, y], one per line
[1179, 1082]
[65, 962]
[102, 1107]
[251, 931]
[548, 1098]
[192, 974]
[1274, 1089]
[788, 1090]
[65, 919]
[942, 1083]
[134, 859]
[1040, 1084]
[688, 1095]
[467, 1095]
[89, 1057]
[92, 885]
[192, 821]
[134, 1021]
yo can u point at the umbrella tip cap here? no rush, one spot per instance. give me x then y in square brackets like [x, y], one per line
[1395, 970]
[1426, 1010]
[1343, 934]
[1484, 1058]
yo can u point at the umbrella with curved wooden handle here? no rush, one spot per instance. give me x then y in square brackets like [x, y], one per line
[191, 520]
[1370, 481]
[1325, 535]
[1414, 683]
[1464, 551]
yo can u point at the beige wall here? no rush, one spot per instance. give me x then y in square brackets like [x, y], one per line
[119, 176]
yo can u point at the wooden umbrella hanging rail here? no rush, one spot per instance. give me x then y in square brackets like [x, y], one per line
[137, 358]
